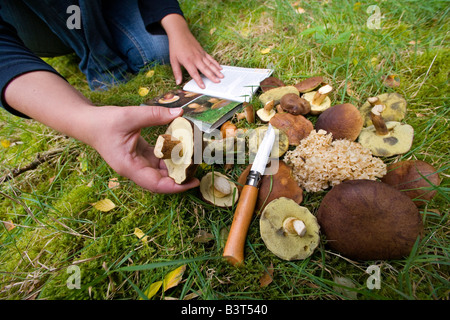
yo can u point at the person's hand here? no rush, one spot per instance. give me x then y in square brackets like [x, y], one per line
[121, 145]
[186, 51]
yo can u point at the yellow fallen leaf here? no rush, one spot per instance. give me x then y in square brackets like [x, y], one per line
[104, 205]
[141, 235]
[245, 32]
[357, 6]
[267, 277]
[266, 50]
[152, 289]
[150, 73]
[113, 183]
[173, 278]
[143, 91]
[300, 10]
[212, 31]
[9, 225]
[5, 144]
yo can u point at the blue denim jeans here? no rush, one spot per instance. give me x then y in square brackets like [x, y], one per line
[112, 41]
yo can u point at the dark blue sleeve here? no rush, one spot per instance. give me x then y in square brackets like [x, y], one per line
[15, 60]
[153, 11]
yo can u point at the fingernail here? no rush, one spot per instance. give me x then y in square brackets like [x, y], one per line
[175, 110]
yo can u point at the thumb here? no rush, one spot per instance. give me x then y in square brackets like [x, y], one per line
[148, 116]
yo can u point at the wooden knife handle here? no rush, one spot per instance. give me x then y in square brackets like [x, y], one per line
[234, 248]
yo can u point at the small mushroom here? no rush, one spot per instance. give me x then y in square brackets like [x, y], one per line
[276, 94]
[168, 98]
[247, 113]
[319, 99]
[295, 127]
[395, 109]
[270, 83]
[295, 105]
[279, 184]
[228, 129]
[256, 136]
[217, 189]
[178, 142]
[289, 230]
[369, 220]
[343, 120]
[415, 178]
[385, 139]
[267, 112]
[309, 84]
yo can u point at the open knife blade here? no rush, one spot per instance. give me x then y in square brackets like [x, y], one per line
[234, 248]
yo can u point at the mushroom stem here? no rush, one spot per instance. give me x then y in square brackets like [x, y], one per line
[378, 121]
[321, 94]
[164, 146]
[269, 105]
[294, 226]
[374, 101]
[221, 187]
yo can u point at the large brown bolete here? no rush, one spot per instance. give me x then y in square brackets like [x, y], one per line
[296, 127]
[295, 105]
[176, 148]
[289, 230]
[218, 189]
[369, 220]
[343, 121]
[280, 184]
[415, 178]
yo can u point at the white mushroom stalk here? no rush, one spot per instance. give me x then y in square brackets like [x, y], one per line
[294, 226]
[321, 94]
[222, 187]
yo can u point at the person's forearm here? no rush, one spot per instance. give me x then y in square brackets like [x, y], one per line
[175, 25]
[49, 99]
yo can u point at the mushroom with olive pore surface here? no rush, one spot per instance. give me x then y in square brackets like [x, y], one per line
[295, 105]
[276, 94]
[217, 189]
[319, 100]
[385, 139]
[415, 178]
[289, 230]
[343, 120]
[274, 186]
[176, 148]
[369, 220]
[395, 109]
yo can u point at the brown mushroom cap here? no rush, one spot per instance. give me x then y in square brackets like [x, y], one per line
[280, 184]
[369, 220]
[295, 105]
[308, 84]
[217, 189]
[415, 178]
[343, 120]
[395, 108]
[183, 167]
[270, 83]
[278, 235]
[295, 127]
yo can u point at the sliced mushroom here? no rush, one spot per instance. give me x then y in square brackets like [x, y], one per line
[180, 165]
[256, 136]
[395, 109]
[267, 112]
[369, 220]
[309, 84]
[415, 178]
[385, 139]
[295, 105]
[319, 99]
[289, 230]
[280, 184]
[295, 127]
[217, 189]
[343, 120]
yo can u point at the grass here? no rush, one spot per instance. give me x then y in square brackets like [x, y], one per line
[56, 225]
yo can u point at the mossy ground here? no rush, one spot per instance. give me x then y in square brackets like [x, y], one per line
[330, 38]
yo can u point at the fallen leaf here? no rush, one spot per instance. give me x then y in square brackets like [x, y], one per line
[9, 225]
[245, 32]
[347, 285]
[141, 235]
[150, 73]
[173, 278]
[391, 81]
[5, 144]
[143, 91]
[203, 237]
[152, 289]
[266, 50]
[357, 6]
[212, 30]
[300, 10]
[113, 183]
[267, 277]
[104, 205]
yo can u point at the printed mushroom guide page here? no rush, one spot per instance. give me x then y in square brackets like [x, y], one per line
[238, 84]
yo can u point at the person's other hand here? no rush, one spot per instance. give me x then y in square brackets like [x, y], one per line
[186, 51]
[121, 145]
